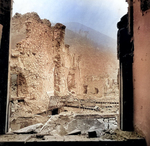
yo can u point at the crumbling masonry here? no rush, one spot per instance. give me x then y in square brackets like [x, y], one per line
[42, 65]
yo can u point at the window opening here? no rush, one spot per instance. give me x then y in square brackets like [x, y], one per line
[55, 111]
[74, 81]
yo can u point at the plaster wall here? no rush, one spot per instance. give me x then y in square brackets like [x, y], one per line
[141, 70]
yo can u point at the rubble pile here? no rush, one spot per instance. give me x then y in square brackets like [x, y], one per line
[73, 124]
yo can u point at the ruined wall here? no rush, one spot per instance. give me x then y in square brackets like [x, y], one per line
[97, 69]
[141, 70]
[101, 86]
[40, 63]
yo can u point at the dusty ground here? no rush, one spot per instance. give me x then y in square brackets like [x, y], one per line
[119, 135]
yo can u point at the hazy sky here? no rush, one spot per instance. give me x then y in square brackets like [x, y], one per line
[101, 15]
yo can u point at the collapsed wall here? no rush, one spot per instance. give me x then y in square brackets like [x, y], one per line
[40, 63]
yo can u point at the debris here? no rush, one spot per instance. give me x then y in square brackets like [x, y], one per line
[113, 126]
[54, 133]
[95, 131]
[97, 108]
[75, 132]
[29, 129]
[71, 125]
[61, 130]
[40, 135]
[29, 137]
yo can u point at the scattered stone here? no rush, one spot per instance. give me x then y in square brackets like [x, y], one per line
[54, 133]
[98, 130]
[106, 126]
[71, 125]
[61, 130]
[75, 132]
[113, 126]
[112, 120]
[97, 108]
[106, 120]
[29, 129]
[40, 135]
[100, 120]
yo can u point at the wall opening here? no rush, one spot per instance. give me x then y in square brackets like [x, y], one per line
[55, 111]
[85, 89]
[54, 68]
[96, 90]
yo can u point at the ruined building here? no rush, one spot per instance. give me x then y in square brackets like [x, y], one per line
[42, 65]
[139, 32]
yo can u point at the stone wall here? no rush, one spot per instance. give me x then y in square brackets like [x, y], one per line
[40, 63]
[141, 69]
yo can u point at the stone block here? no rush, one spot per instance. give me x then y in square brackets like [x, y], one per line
[98, 130]
[112, 126]
[61, 130]
[106, 120]
[112, 120]
[29, 129]
[71, 125]
[75, 132]
[101, 120]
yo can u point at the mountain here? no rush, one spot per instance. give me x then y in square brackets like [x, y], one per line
[98, 38]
